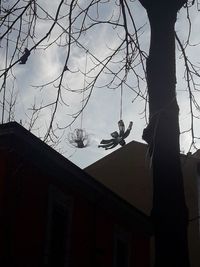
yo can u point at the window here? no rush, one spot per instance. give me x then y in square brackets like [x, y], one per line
[58, 229]
[121, 248]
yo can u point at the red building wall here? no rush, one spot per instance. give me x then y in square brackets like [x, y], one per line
[24, 189]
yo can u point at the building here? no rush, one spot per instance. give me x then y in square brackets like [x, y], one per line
[55, 214]
[127, 172]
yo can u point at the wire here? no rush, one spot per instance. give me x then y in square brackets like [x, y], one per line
[5, 76]
[84, 86]
[121, 101]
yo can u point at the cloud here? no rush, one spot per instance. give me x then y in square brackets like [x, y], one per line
[102, 112]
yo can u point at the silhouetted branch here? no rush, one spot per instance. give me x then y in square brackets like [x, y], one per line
[67, 30]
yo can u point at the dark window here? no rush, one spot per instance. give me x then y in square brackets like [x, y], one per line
[58, 237]
[122, 253]
[121, 249]
[58, 229]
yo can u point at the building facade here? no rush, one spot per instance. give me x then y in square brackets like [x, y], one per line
[127, 172]
[55, 214]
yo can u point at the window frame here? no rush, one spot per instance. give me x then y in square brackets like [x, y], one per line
[123, 236]
[57, 198]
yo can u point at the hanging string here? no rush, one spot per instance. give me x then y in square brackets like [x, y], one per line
[121, 101]
[79, 138]
[84, 86]
[5, 76]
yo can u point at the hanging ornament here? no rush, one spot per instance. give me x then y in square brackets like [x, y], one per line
[79, 138]
[117, 137]
[25, 56]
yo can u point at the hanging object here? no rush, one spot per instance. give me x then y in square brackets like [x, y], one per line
[25, 56]
[117, 138]
[79, 138]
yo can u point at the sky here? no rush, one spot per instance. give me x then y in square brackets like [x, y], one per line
[102, 112]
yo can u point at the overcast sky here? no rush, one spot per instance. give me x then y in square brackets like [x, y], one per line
[102, 113]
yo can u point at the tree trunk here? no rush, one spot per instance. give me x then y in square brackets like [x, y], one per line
[169, 212]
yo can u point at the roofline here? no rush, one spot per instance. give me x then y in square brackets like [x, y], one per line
[30, 146]
[114, 152]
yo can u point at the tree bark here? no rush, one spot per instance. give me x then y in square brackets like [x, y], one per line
[169, 212]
